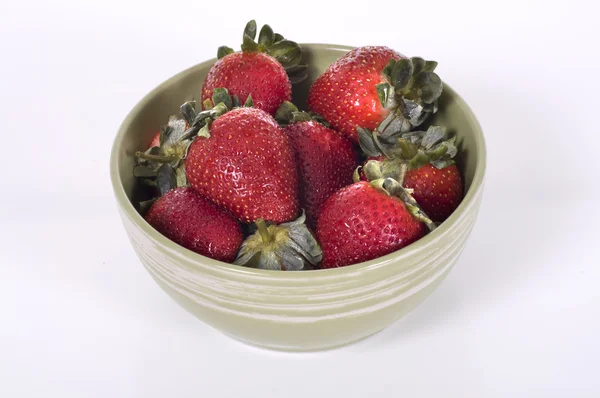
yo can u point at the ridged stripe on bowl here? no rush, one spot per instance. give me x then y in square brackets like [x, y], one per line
[343, 296]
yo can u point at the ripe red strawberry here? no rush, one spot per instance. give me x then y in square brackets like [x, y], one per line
[326, 160]
[246, 166]
[253, 73]
[187, 218]
[437, 191]
[361, 222]
[263, 71]
[368, 84]
[420, 160]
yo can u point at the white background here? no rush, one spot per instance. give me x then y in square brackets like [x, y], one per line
[517, 317]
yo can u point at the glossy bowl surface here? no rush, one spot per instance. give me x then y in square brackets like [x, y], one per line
[295, 311]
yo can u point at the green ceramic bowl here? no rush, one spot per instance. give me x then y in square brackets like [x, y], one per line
[294, 311]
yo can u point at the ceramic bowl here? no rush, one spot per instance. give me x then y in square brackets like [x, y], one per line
[295, 311]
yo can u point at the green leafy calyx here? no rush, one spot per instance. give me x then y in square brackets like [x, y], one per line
[288, 246]
[416, 148]
[288, 53]
[410, 90]
[390, 181]
[288, 113]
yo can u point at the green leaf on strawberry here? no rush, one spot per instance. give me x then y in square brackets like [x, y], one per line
[376, 88]
[289, 113]
[288, 53]
[419, 160]
[289, 247]
[417, 148]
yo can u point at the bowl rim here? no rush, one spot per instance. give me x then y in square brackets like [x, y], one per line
[429, 240]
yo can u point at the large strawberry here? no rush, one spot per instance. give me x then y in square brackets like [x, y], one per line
[421, 161]
[287, 247]
[244, 162]
[192, 221]
[366, 220]
[376, 88]
[260, 71]
[326, 160]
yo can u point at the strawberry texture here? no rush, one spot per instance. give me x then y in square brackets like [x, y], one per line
[360, 223]
[253, 73]
[192, 221]
[346, 94]
[438, 192]
[326, 162]
[247, 166]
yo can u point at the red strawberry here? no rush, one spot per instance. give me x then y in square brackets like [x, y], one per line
[256, 74]
[187, 218]
[437, 191]
[260, 71]
[361, 222]
[246, 166]
[420, 160]
[346, 94]
[368, 84]
[325, 159]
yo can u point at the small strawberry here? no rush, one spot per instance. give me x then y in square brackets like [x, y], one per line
[155, 140]
[260, 71]
[376, 88]
[366, 220]
[438, 191]
[421, 161]
[244, 162]
[325, 159]
[287, 247]
[192, 221]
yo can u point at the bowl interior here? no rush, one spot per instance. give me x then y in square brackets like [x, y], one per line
[154, 110]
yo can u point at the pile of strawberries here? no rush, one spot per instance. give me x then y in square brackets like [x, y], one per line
[246, 177]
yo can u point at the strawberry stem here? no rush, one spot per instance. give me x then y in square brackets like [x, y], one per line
[263, 230]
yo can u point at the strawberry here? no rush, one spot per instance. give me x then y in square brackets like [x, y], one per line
[286, 247]
[326, 160]
[250, 74]
[372, 85]
[260, 71]
[437, 191]
[366, 220]
[192, 221]
[244, 163]
[421, 161]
